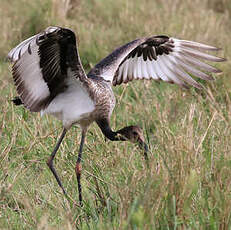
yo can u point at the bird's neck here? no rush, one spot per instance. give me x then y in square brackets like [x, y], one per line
[107, 131]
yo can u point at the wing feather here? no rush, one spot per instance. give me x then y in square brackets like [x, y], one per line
[159, 58]
[135, 66]
[40, 66]
[145, 70]
[139, 68]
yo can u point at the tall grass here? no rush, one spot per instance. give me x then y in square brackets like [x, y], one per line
[188, 183]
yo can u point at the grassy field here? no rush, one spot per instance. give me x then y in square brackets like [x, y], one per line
[188, 184]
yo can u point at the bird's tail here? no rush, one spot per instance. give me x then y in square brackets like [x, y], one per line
[17, 101]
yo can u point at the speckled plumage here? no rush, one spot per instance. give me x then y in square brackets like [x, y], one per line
[101, 93]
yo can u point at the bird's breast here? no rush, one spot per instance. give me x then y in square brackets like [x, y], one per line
[72, 106]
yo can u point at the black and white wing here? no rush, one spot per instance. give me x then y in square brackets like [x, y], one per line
[159, 58]
[40, 66]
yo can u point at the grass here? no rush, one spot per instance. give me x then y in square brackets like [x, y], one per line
[188, 183]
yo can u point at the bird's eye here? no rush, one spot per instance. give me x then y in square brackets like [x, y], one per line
[135, 133]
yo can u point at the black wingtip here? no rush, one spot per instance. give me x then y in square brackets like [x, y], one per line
[17, 101]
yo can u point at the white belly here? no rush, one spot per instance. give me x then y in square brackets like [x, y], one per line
[72, 105]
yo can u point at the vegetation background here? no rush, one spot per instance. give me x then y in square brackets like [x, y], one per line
[188, 184]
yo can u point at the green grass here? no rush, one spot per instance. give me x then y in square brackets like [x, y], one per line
[188, 183]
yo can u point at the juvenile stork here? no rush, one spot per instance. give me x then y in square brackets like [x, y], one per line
[50, 79]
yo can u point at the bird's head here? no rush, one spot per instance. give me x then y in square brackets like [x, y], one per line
[134, 134]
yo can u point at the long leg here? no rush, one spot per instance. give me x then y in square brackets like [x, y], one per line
[78, 167]
[51, 158]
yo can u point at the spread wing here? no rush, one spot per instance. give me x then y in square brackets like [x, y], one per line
[40, 66]
[159, 58]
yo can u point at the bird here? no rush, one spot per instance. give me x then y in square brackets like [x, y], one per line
[50, 79]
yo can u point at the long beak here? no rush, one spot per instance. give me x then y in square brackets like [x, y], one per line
[143, 146]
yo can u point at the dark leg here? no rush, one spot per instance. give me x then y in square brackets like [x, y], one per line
[78, 166]
[144, 146]
[51, 158]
